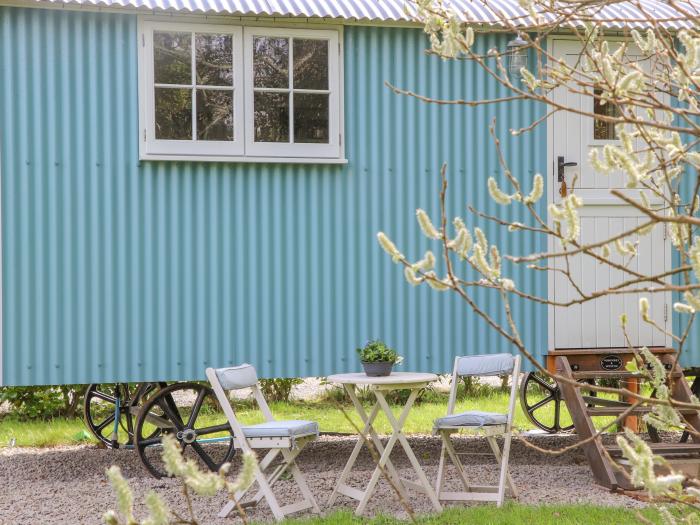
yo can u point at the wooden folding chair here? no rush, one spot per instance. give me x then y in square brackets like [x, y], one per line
[489, 424]
[285, 438]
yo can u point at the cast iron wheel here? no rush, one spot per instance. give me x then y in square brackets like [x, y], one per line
[100, 410]
[538, 392]
[191, 414]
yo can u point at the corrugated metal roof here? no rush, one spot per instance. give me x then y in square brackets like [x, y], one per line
[630, 14]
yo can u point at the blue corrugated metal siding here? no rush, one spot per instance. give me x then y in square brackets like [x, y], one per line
[691, 349]
[115, 269]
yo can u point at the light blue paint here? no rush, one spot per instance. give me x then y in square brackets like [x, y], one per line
[115, 269]
[690, 353]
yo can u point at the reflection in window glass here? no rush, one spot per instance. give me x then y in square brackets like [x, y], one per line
[270, 62]
[214, 114]
[603, 130]
[310, 118]
[271, 117]
[310, 64]
[214, 60]
[172, 57]
[310, 111]
[173, 114]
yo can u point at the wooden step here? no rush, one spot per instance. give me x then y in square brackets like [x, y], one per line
[616, 411]
[604, 402]
[664, 449]
[614, 374]
[603, 351]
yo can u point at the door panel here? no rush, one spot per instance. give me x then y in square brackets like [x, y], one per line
[595, 324]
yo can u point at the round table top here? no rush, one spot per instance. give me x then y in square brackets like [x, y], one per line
[396, 378]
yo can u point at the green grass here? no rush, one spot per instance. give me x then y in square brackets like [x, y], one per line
[61, 431]
[510, 514]
[35, 433]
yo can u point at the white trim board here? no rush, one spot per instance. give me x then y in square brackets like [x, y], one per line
[246, 160]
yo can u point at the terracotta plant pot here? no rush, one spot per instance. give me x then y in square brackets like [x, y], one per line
[378, 368]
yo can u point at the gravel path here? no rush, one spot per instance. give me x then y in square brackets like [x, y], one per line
[67, 484]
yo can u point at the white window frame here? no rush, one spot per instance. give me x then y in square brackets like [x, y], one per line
[290, 149]
[183, 148]
[242, 148]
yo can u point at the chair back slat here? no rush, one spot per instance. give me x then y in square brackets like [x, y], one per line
[481, 365]
[485, 365]
[237, 377]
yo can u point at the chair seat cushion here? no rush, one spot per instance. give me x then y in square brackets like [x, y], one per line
[291, 428]
[471, 418]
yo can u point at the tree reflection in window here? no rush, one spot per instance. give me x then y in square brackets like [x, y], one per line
[602, 129]
[181, 85]
[290, 108]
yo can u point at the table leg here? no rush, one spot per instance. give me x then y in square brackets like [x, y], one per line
[368, 429]
[384, 459]
[397, 426]
[367, 420]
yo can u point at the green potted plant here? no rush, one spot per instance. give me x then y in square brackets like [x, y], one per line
[378, 359]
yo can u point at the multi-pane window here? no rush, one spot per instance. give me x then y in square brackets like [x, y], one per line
[220, 92]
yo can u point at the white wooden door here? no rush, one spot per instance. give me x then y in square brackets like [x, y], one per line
[595, 324]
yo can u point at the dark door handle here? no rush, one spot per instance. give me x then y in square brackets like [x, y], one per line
[560, 168]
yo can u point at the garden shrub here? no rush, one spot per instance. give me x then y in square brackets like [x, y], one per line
[44, 402]
[278, 388]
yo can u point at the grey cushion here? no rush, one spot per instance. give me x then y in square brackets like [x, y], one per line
[471, 418]
[236, 377]
[291, 428]
[485, 365]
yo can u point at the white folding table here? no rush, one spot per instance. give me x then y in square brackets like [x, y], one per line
[414, 382]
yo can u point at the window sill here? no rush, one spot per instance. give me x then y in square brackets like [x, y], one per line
[242, 160]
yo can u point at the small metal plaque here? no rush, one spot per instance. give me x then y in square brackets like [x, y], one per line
[611, 362]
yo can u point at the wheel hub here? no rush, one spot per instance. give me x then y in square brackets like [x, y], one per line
[188, 435]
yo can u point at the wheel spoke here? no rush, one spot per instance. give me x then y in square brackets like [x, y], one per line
[106, 422]
[212, 430]
[196, 408]
[104, 397]
[557, 415]
[540, 403]
[205, 457]
[543, 383]
[150, 441]
[173, 415]
[129, 423]
[141, 394]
